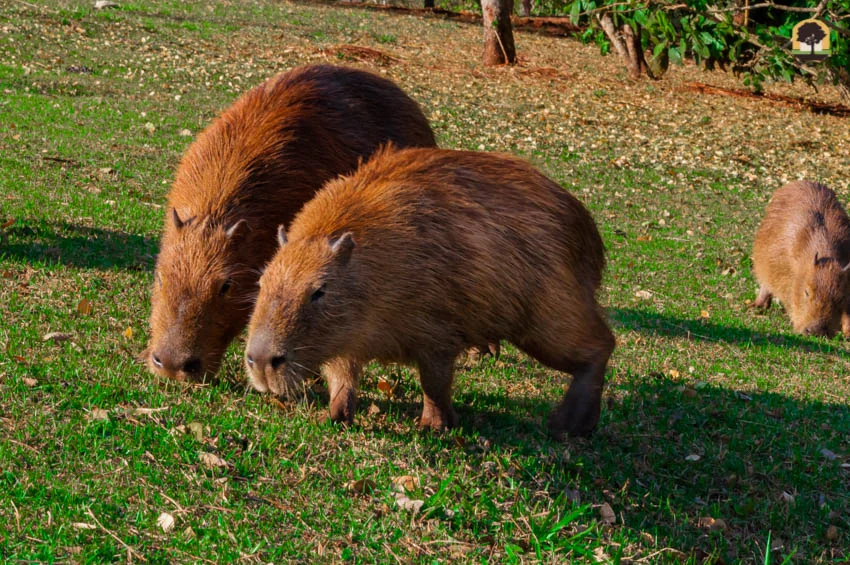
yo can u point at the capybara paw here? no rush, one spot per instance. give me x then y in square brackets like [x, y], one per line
[436, 419]
[577, 422]
[342, 408]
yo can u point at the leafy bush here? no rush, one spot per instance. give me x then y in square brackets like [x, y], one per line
[754, 40]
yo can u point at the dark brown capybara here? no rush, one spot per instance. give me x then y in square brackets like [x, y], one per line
[801, 256]
[419, 254]
[248, 172]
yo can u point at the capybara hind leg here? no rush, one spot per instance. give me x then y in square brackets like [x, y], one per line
[578, 413]
[579, 342]
[764, 298]
[343, 376]
[436, 375]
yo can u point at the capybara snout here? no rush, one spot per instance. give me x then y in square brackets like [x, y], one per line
[293, 338]
[801, 256]
[420, 254]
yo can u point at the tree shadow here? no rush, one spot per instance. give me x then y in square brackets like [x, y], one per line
[78, 246]
[653, 323]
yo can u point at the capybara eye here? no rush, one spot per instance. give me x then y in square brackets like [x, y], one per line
[318, 293]
[225, 288]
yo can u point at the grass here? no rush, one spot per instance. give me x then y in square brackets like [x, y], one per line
[724, 437]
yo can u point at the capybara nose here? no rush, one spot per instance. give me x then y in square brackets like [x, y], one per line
[259, 360]
[173, 364]
[820, 330]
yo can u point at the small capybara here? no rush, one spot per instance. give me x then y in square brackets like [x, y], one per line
[420, 253]
[801, 256]
[249, 171]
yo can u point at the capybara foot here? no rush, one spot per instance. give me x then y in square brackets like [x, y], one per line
[576, 423]
[578, 413]
[343, 406]
[764, 299]
[436, 418]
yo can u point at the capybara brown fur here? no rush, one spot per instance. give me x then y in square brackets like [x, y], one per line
[801, 256]
[248, 172]
[419, 254]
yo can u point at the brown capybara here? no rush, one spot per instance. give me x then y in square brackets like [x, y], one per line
[420, 253]
[249, 171]
[801, 256]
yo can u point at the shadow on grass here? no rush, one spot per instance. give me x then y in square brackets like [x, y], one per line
[78, 246]
[669, 459]
[653, 323]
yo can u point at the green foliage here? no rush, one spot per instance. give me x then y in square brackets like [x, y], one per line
[713, 33]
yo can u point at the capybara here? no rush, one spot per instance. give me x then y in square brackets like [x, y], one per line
[249, 171]
[801, 256]
[420, 253]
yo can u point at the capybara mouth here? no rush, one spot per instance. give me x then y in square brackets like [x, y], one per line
[188, 369]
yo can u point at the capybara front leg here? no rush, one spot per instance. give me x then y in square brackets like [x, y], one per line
[845, 324]
[764, 298]
[436, 375]
[343, 378]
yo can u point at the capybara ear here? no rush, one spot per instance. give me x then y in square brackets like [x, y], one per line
[342, 246]
[178, 223]
[237, 229]
[281, 235]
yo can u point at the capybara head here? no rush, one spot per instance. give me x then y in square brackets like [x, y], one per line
[820, 294]
[300, 322]
[200, 294]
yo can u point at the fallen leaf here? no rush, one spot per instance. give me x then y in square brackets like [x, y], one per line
[386, 388]
[704, 314]
[715, 524]
[101, 4]
[85, 307]
[150, 127]
[406, 503]
[83, 526]
[361, 486]
[185, 133]
[788, 497]
[373, 410]
[29, 382]
[58, 337]
[98, 414]
[128, 333]
[211, 460]
[196, 429]
[693, 457]
[832, 533]
[7, 224]
[165, 521]
[643, 294]
[406, 483]
[828, 454]
[607, 514]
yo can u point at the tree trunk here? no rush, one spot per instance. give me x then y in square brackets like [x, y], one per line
[626, 43]
[429, 3]
[498, 34]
